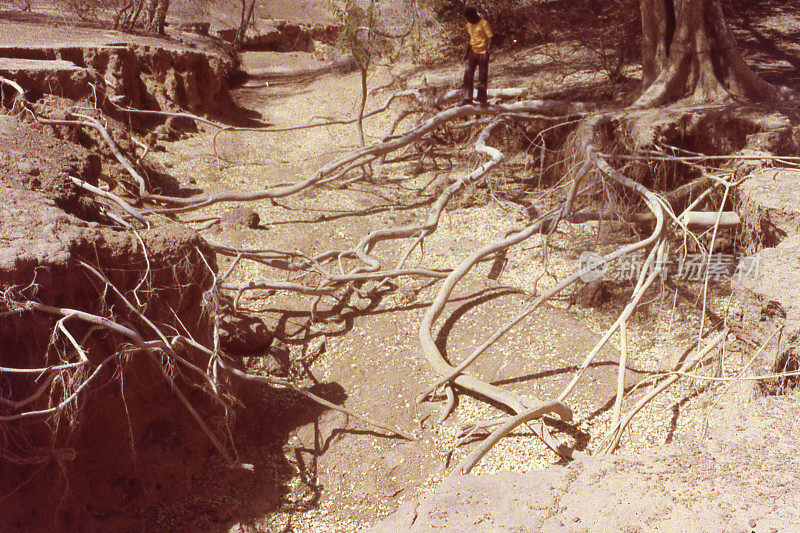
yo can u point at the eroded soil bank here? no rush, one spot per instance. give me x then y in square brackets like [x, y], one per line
[138, 460]
[129, 442]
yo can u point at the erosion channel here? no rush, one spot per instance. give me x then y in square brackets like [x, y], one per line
[220, 310]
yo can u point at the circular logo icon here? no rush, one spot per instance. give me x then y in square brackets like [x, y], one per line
[591, 267]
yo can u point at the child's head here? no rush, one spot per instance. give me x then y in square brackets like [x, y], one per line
[471, 15]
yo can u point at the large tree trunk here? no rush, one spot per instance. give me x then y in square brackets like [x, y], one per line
[688, 51]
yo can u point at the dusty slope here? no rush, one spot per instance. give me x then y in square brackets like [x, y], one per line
[744, 479]
[48, 227]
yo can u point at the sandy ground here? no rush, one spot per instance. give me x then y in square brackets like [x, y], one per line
[315, 470]
[337, 474]
[668, 488]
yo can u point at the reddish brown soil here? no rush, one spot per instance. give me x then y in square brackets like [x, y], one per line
[125, 442]
[306, 468]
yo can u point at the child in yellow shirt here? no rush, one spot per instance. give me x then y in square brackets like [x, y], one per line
[477, 55]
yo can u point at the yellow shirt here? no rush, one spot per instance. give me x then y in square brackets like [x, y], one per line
[479, 35]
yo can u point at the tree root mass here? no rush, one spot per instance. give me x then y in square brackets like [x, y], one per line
[162, 320]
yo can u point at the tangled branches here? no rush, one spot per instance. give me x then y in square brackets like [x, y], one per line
[333, 272]
[180, 359]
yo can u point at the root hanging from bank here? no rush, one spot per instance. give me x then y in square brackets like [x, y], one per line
[333, 272]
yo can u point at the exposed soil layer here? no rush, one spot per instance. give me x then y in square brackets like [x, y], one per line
[126, 438]
[769, 204]
[768, 300]
[717, 130]
[143, 77]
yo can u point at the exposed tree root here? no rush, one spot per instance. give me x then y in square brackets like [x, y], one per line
[335, 270]
[370, 153]
[537, 411]
[611, 440]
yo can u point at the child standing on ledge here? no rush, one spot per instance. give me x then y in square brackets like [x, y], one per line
[477, 55]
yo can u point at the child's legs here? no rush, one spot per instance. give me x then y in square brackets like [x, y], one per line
[469, 76]
[483, 77]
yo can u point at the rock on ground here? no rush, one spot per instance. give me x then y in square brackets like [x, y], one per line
[243, 217]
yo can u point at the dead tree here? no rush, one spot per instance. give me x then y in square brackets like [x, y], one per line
[689, 51]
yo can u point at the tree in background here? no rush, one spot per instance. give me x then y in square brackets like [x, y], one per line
[246, 19]
[359, 35]
[127, 13]
[687, 49]
[156, 16]
[153, 14]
